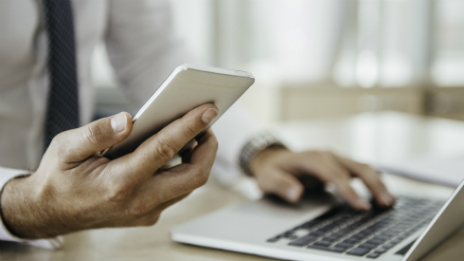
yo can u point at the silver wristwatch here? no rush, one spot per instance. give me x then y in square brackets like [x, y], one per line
[255, 145]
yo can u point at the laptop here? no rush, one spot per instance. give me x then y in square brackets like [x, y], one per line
[324, 228]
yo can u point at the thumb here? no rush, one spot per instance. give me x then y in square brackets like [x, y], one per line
[281, 183]
[79, 144]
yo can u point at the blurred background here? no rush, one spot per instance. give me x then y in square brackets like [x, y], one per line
[324, 58]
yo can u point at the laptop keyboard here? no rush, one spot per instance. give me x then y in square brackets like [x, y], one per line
[370, 234]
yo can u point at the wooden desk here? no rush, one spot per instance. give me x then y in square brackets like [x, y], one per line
[368, 136]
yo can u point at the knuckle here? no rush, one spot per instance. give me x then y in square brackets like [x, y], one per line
[92, 134]
[375, 181]
[58, 139]
[164, 149]
[345, 178]
[138, 209]
[200, 178]
[120, 192]
[190, 131]
[342, 184]
[365, 168]
[329, 155]
[340, 175]
[149, 220]
[58, 144]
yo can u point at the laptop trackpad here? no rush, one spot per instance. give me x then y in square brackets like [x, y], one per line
[272, 206]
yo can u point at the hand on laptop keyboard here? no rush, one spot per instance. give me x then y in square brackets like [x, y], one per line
[279, 171]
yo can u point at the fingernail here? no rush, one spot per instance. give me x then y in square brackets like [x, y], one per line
[119, 122]
[386, 198]
[293, 193]
[363, 204]
[209, 115]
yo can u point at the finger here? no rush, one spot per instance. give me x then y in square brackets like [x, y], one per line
[163, 206]
[79, 144]
[372, 180]
[186, 177]
[153, 216]
[281, 183]
[345, 190]
[333, 173]
[161, 147]
[186, 156]
[207, 144]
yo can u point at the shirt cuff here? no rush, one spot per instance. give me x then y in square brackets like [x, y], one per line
[7, 174]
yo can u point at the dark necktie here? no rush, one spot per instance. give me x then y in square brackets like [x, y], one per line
[62, 107]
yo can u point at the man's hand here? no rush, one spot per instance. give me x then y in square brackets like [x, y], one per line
[280, 171]
[75, 188]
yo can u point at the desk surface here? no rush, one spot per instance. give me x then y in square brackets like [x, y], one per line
[368, 136]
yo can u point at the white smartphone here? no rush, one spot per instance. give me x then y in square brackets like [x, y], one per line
[187, 87]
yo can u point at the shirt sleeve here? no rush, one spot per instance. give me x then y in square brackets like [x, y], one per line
[7, 174]
[232, 131]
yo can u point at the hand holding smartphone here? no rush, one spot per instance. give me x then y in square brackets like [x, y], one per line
[187, 87]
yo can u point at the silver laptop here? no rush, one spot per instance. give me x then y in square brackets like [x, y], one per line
[325, 229]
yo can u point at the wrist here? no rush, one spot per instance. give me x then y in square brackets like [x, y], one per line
[22, 210]
[266, 156]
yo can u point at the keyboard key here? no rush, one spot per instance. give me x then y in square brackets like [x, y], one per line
[368, 246]
[302, 241]
[322, 244]
[330, 239]
[331, 249]
[389, 245]
[351, 240]
[328, 227]
[316, 234]
[311, 224]
[274, 239]
[373, 255]
[324, 217]
[381, 250]
[338, 250]
[358, 251]
[343, 245]
[381, 237]
[375, 241]
[291, 237]
[289, 234]
[401, 237]
[338, 234]
[324, 229]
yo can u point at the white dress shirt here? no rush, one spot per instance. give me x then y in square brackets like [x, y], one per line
[143, 50]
